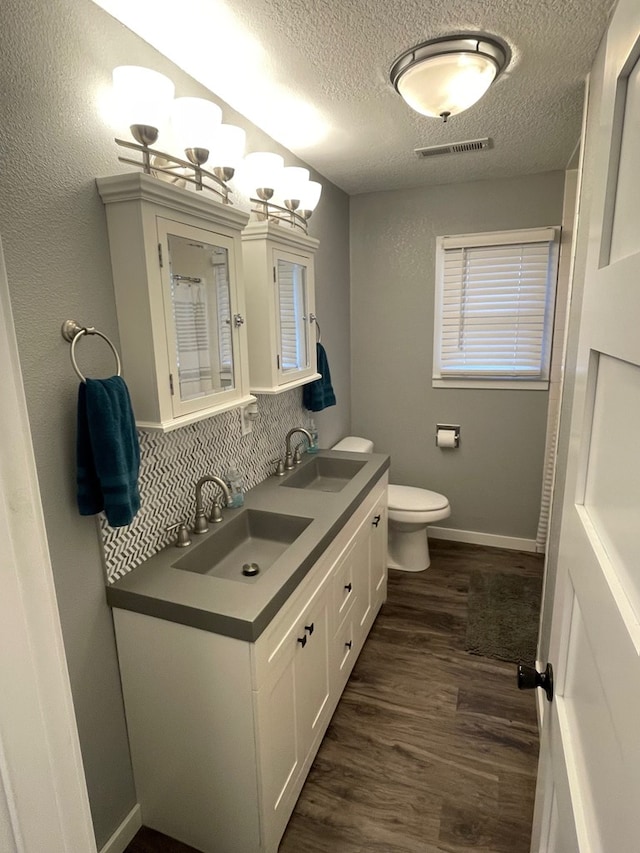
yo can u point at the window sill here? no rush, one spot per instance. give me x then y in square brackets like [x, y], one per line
[493, 384]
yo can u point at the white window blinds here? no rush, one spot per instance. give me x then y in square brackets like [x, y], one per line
[494, 306]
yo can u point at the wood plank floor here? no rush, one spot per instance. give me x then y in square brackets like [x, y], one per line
[431, 750]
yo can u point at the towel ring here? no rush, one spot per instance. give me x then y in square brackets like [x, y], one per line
[314, 319]
[72, 332]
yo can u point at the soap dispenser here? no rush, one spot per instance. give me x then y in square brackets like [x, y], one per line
[236, 485]
[313, 432]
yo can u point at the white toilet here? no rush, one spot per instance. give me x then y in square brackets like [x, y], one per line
[411, 511]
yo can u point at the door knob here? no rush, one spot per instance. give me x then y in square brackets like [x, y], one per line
[528, 678]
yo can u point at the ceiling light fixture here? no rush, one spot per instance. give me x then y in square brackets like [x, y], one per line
[445, 76]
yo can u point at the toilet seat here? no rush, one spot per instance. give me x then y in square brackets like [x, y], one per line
[410, 505]
[409, 498]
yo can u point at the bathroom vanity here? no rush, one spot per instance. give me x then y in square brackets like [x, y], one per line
[231, 680]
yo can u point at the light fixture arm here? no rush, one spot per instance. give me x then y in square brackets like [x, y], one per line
[275, 213]
[155, 161]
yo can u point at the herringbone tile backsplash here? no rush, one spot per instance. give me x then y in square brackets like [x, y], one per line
[172, 463]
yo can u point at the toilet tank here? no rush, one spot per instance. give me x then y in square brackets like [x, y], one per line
[354, 444]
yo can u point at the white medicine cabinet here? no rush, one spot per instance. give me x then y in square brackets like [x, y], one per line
[176, 257]
[280, 294]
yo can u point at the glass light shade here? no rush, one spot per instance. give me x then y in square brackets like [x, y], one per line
[294, 180]
[194, 122]
[263, 170]
[228, 147]
[142, 96]
[447, 84]
[310, 195]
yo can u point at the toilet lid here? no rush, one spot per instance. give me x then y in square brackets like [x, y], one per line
[408, 498]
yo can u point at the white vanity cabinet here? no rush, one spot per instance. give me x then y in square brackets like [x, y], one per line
[223, 732]
[176, 258]
[280, 293]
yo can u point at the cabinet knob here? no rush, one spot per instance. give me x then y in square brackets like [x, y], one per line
[348, 587]
[348, 644]
[309, 628]
[238, 320]
[303, 641]
[376, 520]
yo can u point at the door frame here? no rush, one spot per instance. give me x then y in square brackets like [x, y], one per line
[43, 796]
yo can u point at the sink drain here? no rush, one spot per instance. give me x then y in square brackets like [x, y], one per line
[250, 569]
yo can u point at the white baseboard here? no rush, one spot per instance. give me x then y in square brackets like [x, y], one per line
[476, 538]
[125, 832]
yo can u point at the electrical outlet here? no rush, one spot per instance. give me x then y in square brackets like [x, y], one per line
[245, 421]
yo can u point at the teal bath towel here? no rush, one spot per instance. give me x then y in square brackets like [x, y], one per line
[108, 453]
[319, 394]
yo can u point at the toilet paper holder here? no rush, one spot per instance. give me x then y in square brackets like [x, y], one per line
[447, 429]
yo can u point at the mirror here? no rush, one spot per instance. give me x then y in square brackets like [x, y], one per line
[292, 312]
[200, 297]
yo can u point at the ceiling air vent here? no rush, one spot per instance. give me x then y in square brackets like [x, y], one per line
[454, 148]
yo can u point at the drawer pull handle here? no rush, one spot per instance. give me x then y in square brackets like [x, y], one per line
[376, 520]
[348, 587]
[348, 644]
[303, 641]
[309, 628]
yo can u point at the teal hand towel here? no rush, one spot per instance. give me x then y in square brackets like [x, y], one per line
[107, 451]
[318, 395]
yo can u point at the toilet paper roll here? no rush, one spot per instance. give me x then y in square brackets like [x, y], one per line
[446, 438]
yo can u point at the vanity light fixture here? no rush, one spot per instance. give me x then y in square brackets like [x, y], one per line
[267, 176]
[444, 76]
[146, 103]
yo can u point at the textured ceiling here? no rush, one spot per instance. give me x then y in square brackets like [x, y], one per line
[314, 75]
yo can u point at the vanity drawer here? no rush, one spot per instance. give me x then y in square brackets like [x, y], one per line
[343, 589]
[344, 654]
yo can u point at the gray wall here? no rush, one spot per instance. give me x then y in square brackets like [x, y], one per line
[494, 479]
[56, 58]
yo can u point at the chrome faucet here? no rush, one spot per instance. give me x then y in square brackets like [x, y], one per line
[288, 459]
[201, 525]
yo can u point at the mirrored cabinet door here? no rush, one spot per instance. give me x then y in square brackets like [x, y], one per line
[198, 292]
[293, 315]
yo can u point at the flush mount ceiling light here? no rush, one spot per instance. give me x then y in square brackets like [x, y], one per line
[445, 76]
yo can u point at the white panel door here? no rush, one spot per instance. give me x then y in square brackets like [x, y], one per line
[589, 776]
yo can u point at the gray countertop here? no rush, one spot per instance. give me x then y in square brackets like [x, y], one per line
[241, 609]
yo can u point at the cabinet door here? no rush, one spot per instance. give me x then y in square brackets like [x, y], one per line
[293, 296]
[293, 710]
[199, 297]
[280, 752]
[312, 675]
[378, 553]
[361, 581]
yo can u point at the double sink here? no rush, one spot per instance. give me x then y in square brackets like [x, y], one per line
[252, 540]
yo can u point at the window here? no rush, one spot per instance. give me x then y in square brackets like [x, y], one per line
[494, 304]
